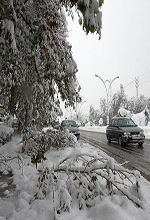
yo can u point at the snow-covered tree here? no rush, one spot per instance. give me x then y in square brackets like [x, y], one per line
[91, 115]
[103, 110]
[136, 105]
[119, 100]
[94, 116]
[36, 63]
[82, 119]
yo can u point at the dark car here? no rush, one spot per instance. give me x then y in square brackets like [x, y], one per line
[71, 126]
[125, 131]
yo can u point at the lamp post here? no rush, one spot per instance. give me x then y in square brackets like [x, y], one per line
[108, 90]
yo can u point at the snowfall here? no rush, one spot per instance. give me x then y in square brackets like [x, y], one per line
[18, 201]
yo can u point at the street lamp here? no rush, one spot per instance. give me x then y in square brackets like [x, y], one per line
[108, 90]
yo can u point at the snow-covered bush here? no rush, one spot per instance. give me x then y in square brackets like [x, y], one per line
[53, 139]
[38, 143]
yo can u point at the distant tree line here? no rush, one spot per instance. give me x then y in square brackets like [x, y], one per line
[119, 100]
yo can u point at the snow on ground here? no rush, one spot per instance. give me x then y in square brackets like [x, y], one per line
[22, 205]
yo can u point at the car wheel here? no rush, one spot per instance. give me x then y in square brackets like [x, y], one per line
[120, 141]
[108, 138]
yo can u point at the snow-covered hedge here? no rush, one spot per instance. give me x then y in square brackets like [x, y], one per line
[5, 134]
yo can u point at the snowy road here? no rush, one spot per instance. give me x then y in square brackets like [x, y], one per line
[138, 157]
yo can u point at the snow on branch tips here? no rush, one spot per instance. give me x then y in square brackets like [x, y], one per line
[88, 178]
[90, 16]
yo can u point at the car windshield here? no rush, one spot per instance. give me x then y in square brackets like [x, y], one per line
[69, 123]
[125, 122]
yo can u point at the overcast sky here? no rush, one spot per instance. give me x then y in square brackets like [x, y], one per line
[124, 51]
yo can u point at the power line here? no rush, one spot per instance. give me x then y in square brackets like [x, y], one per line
[145, 79]
[144, 73]
[139, 80]
[129, 83]
[147, 75]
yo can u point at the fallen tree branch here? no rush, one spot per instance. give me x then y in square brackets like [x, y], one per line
[100, 168]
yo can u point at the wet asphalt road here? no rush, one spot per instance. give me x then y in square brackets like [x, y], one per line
[138, 157]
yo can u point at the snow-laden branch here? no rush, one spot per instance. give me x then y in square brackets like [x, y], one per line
[95, 169]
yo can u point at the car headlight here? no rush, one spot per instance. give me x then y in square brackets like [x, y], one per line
[126, 133]
[142, 133]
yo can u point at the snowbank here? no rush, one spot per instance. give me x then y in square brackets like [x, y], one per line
[101, 129]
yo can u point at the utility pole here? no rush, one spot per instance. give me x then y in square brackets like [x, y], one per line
[136, 86]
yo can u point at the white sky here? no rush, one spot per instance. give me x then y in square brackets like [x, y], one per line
[124, 51]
